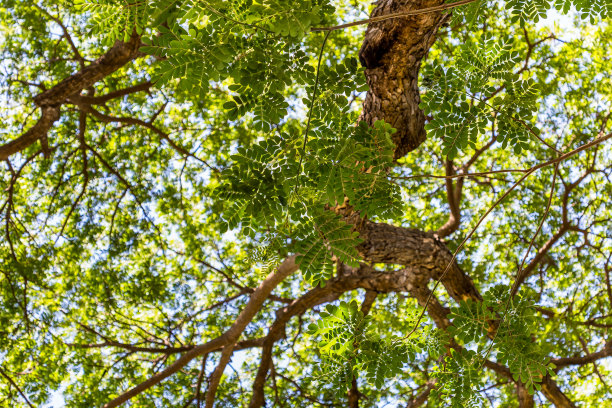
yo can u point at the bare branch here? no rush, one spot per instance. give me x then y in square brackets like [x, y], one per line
[137, 122]
[102, 99]
[229, 337]
[215, 378]
[421, 399]
[559, 159]
[49, 114]
[606, 351]
[453, 194]
[554, 394]
[67, 36]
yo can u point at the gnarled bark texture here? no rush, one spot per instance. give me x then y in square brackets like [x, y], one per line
[425, 256]
[391, 53]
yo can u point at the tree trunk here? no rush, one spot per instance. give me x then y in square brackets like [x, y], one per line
[391, 53]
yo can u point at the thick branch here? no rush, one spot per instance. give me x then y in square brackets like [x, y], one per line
[425, 256]
[554, 394]
[525, 399]
[215, 378]
[117, 56]
[51, 100]
[49, 114]
[391, 53]
[312, 298]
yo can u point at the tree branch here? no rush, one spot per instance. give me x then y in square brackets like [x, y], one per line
[215, 378]
[581, 360]
[421, 399]
[229, 337]
[453, 194]
[52, 99]
[392, 52]
[14, 384]
[525, 399]
[137, 122]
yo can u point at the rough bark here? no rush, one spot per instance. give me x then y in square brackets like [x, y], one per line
[51, 100]
[525, 399]
[391, 53]
[424, 255]
[424, 258]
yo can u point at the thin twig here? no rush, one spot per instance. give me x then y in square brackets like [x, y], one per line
[313, 97]
[556, 160]
[312, 101]
[550, 198]
[394, 15]
[520, 268]
[459, 175]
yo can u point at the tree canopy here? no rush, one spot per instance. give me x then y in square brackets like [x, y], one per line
[327, 203]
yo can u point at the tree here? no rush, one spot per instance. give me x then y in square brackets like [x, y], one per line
[437, 172]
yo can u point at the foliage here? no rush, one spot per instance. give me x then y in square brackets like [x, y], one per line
[267, 189]
[464, 98]
[525, 11]
[511, 340]
[348, 346]
[155, 214]
[459, 378]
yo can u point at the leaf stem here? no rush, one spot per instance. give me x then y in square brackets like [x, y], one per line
[312, 100]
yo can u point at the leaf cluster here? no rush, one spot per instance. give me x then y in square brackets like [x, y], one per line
[348, 346]
[532, 11]
[465, 98]
[510, 322]
[266, 188]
